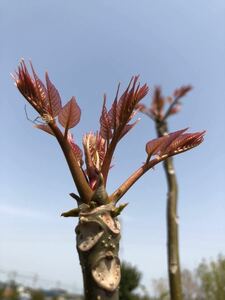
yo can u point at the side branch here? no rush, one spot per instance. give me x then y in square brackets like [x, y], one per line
[83, 188]
[115, 197]
[179, 93]
[162, 148]
[167, 113]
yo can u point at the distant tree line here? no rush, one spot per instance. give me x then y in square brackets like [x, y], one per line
[206, 282]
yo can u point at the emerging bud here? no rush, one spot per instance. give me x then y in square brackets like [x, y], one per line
[31, 87]
[94, 150]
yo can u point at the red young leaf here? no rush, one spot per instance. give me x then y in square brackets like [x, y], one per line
[185, 142]
[76, 149]
[100, 147]
[114, 120]
[158, 110]
[113, 115]
[182, 91]
[95, 149]
[45, 128]
[27, 86]
[34, 90]
[174, 143]
[105, 128]
[160, 145]
[40, 87]
[69, 115]
[153, 146]
[53, 97]
[128, 127]
[122, 109]
[169, 139]
[125, 99]
[157, 105]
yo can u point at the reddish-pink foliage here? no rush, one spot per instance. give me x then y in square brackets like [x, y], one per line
[162, 107]
[99, 147]
[69, 115]
[174, 143]
[53, 96]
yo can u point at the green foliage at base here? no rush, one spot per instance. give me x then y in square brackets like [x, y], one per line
[212, 278]
[130, 280]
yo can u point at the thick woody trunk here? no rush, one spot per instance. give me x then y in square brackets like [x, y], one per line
[172, 224]
[98, 236]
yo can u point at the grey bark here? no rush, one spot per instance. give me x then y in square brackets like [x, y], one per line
[172, 223]
[98, 236]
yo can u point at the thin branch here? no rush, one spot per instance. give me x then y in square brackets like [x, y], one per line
[115, 197]
[83, 188]
[146, 111]
[76, 172]
[175, 101]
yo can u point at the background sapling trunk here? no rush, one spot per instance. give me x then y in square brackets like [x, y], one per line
[158, 114]
[174, 271]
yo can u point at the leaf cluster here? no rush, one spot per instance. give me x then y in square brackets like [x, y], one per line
[115, 123]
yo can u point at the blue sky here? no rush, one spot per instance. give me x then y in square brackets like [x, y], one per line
[87, 48]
